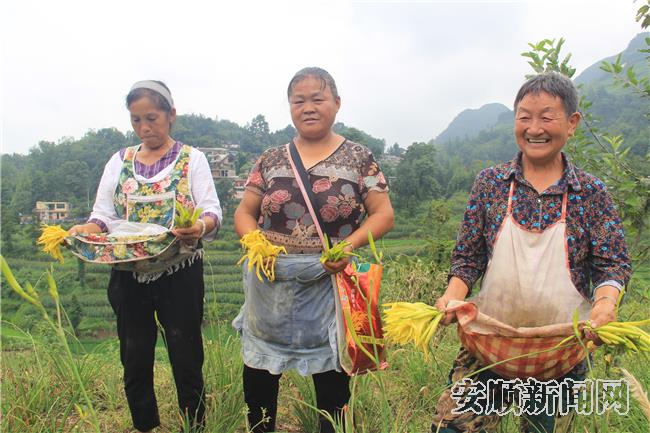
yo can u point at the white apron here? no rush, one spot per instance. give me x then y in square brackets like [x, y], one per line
[526, 302]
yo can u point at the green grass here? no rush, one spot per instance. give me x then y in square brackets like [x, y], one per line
[39, 396]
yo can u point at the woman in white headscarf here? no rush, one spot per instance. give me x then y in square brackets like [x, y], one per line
[145, 183]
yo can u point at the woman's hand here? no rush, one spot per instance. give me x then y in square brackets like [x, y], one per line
[75, 230]
[84, 229]
[339, 265]
[191, 234]
[456, 291]
[602, 312]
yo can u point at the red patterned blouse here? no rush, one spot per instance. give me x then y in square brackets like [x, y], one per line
[340, 182]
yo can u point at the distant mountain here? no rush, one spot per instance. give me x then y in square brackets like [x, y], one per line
[486, 134]
[471, 121]
[618, 110]
[631, 57]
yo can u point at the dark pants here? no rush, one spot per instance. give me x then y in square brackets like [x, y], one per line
[177, 301]
[261, 395]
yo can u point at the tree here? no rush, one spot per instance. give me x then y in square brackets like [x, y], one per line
[439, 246]
[259, 128]
[225, 192]
[396, 150]
[416, 176]
[21, 199]
[283, 136]
[461, 178]
[375, 145]
[606, 155]
[240, 160]
[9, 214]
[34, 230]
[9, 225]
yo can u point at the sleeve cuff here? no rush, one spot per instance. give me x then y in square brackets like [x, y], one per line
[469, 284]
[102, 225]
[210, 236]
[612, 283]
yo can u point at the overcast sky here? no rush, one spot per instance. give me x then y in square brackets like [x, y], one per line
[404, 69]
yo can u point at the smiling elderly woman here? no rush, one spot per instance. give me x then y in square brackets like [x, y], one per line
[546, 240]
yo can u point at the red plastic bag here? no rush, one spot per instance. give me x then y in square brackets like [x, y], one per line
[359, 331]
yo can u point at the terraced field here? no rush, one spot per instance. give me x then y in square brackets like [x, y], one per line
[223, 284]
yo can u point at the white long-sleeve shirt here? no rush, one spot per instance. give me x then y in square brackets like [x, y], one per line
[201, 184]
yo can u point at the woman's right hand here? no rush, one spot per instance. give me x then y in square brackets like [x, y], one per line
[84, 228]
[338, 266]
[75, 230]
[456, 291]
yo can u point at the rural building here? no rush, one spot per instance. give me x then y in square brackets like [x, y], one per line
[52, 210]
[222, 162]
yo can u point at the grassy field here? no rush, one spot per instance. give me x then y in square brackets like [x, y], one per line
[40, 392]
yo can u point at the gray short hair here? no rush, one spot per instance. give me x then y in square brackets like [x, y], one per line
[317, 73]
[554, 84]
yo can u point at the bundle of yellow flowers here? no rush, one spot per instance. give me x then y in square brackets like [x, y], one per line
[407, 322]
[627, 335]
[260, 253]
[51, 239]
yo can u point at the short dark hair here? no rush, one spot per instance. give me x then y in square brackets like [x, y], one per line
[312, 71]
[554, 84]
[159, 100]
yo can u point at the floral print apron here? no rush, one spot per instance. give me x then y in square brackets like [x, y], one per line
[148, 256]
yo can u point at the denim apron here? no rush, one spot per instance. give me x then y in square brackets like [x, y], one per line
[289, 323]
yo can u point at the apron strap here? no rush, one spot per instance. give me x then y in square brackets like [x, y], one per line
[512, 189]
[564, 203]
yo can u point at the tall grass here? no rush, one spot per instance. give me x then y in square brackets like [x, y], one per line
[40, 392]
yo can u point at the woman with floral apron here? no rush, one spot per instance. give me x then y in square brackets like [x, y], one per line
[547, 240]
[162, 279]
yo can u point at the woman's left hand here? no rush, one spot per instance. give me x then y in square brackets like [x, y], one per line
[339, 265]
[602, 313]
[189, 234]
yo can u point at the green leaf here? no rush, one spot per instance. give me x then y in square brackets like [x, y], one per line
[576, 317]
[631, 76]
[11, 280]
[373, 248]
[607, 67]
[54, 293]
